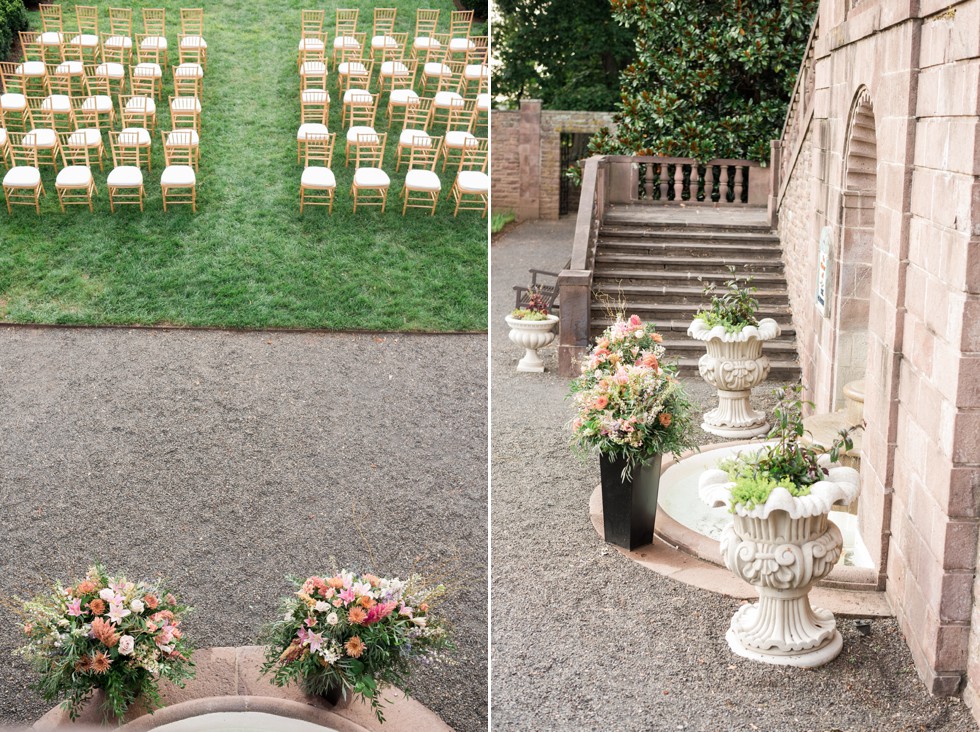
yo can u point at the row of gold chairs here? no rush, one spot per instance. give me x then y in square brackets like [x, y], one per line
[88, 44]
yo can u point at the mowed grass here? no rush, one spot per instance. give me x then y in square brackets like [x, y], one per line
[247, 259]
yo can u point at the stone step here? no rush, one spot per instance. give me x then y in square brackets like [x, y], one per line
[712, 235]
[601, 320]
[717, 264]
[677, 293]
[616, 216]
[783, 347]
[671, 278]
[657, 311]
[671, 249]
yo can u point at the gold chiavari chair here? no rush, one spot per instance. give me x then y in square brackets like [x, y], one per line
[125, 180]
[178, 182]
[75, 184]
[370, 185]
[22, 184]
[422, 185]
[471, 189]
[318, 184]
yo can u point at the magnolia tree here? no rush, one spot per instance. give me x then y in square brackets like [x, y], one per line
[711, 78]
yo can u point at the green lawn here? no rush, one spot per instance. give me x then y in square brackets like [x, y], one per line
[247, 259]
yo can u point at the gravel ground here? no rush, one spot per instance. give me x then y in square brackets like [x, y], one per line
[583, 638]
[225, 461]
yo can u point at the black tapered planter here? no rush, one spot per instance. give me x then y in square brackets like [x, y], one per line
[629, 508]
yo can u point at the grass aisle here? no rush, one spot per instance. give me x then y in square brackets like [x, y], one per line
[247, 259]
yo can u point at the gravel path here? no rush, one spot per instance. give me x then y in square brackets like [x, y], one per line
[585, 639]
[225, 461]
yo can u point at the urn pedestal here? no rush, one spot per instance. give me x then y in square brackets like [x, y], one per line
[532, 335]
[734, 364]
[783, 547]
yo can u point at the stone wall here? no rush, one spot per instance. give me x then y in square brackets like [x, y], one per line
[905, 219]
[526, 156]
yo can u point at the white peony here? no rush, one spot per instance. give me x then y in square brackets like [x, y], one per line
[126, 645]
[321, 606]
[137, 606]
[332, 619]
[107, 594]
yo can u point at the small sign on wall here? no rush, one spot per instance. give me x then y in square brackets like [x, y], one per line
[823, 271]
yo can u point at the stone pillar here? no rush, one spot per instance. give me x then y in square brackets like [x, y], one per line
[575, 286]
[529, 151]
[775, 161]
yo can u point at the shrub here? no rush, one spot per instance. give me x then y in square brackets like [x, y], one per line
[13, 18]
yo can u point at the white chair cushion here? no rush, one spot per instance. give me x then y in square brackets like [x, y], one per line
[190, 71]
[383, 42]
[403, 97]
[32, 68]
[193, 42]
[154, 42]
[110, 70]
[85, 39]
[311, 128]
[459, 45]
[72, 68]
[185, 104]
[195, 138]
[345, 42]
[434, 68]
[125, 176]
[358, 97]
[148, 69]
[446, 99]
[3, 137]
[394, 68]
[42, 137]
[142, 135]
[313, 68]
[316, 96]
[57, 103]
[424, 43]
[353, 68]
[483, 102]
[178, 175]
[407, 137]
[138, 105]
[354, 132]
[74, 176]
[100, 103]
[317, 177]
[50, 38]
[85, 137]
[310, 44]
[119, 42]
[473, 181]
[422, 180]
[22, 176]
[460, 139]
[371, 178]
[13, 102]
[475, 72]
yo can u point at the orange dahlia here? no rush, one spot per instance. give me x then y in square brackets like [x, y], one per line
[355, 647]
[356, 615]
[100, 663]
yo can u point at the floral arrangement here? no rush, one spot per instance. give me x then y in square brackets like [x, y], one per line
[787, 463]
[108, 633]
[536, 308]
[630, 404]
[354, 631]
[734, 309]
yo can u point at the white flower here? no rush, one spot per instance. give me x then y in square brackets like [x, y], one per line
[126, 645]
[420, 621]
[287, 617]
[321, 606]
[332, 619]
[329, 655]
[107, 594]
[137, 606]
[638, 334]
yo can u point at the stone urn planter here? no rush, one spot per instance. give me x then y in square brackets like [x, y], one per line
[734, 364]
[782, 547]
[629, 507]
[532, 335]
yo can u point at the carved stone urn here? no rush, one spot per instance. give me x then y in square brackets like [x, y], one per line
[782, 547]
[532, 335]
[734, 364]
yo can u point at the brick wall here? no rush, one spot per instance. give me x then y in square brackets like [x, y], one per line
[526, 156]
[918, 68]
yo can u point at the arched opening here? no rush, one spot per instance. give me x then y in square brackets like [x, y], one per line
[857, 219]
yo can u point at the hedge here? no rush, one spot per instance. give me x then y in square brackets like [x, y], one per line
[13, 18]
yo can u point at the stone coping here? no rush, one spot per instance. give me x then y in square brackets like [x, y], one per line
[694, 559]
[228, 680]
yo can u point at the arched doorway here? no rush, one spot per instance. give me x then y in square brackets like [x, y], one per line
[856, 237]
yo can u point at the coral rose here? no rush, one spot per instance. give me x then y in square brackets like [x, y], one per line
[665, 419]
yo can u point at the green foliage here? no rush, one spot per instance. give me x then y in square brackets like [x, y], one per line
[479, 8]
[13, 18]
[711, 78]
[536, 308]
[734, 308]
[500, 219]
[528, 314]
[788, 461]
[247, 259]
[568, 54]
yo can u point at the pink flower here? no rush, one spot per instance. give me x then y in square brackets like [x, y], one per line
[347, 596]
[635, 320]
[315, 641]
[601, 401]
[621, 377]
[75, 607]
[406, 611]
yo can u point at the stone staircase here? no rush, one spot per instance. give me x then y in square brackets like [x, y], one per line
[658, 267]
